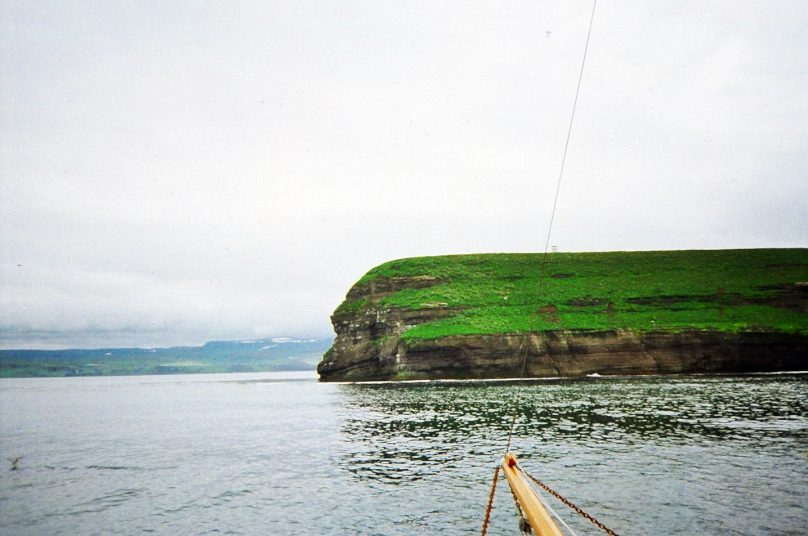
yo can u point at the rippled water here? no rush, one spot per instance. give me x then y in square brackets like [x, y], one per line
[282, 454]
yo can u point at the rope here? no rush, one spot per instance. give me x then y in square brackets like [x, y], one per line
[517, 395]
[567, 502]
[539, 284]
[555, 514]
[490, 506]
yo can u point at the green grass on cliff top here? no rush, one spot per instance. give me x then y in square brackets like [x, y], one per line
[726, 290]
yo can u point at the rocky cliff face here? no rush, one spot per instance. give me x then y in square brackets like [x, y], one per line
[369, 346]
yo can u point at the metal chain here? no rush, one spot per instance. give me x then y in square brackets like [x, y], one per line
[490, 506]
[524, 524]
[569, 503]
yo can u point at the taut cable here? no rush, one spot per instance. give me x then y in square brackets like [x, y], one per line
[523, 367]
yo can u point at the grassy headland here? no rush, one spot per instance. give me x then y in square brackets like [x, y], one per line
[724, 290]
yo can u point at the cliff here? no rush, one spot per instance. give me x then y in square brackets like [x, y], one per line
[478, 316]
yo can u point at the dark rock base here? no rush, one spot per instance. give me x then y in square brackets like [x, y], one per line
[570, 354]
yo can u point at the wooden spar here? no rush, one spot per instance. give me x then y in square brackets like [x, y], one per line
[537, 515]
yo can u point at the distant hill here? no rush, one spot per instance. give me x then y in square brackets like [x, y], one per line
[260, 355]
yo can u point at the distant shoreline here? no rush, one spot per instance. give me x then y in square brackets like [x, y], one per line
[261, 355]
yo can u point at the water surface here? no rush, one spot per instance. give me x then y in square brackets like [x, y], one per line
[279, 453]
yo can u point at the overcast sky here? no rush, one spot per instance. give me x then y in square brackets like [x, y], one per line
[176, 172]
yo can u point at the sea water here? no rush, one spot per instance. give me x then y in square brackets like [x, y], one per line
[280, 453]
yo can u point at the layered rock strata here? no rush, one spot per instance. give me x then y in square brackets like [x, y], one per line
[369, 346]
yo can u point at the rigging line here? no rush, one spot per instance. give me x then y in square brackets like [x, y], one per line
[552, 218]
[580, 511]
[558, 517]
[490, 505]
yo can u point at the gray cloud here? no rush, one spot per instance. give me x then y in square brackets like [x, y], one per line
[173, 174]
